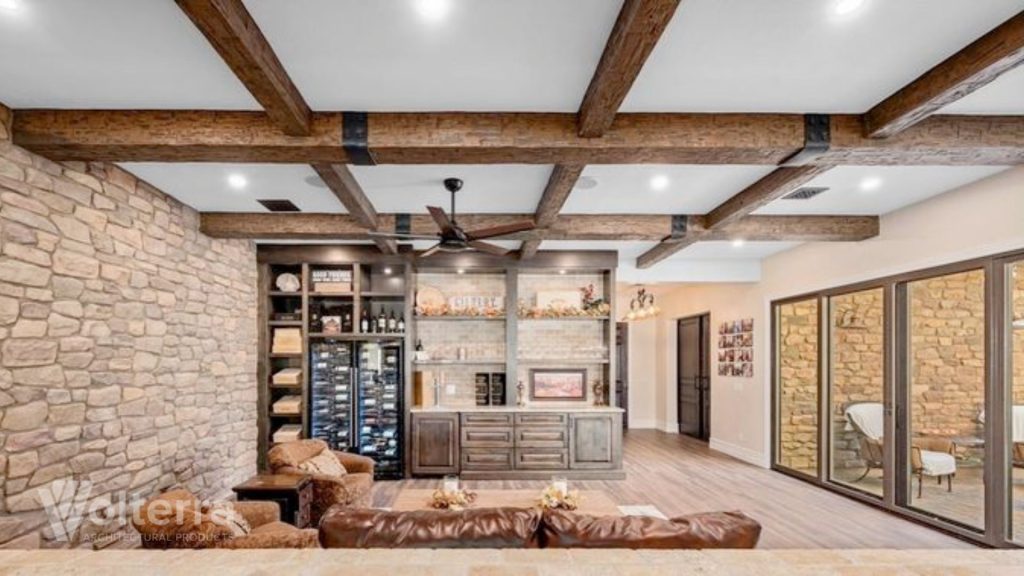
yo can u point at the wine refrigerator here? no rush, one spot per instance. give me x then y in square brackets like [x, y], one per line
[357, 400]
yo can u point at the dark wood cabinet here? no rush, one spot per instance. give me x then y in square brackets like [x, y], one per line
[435, 443]
[293, 494]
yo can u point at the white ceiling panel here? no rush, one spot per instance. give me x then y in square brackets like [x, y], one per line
[800, 55]
[877, 190]
[110, 54]
[658, 189]
[439, 55]
[1005, 95]
[729, 251]
[503, 188]
[206, 187]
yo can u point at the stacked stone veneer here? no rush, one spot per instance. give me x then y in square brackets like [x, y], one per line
[127, 342]
[947, 370]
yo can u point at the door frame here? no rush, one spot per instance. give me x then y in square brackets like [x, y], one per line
[704, 400]
[624, 367]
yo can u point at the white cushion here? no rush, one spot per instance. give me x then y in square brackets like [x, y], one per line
[323, 463]
[937, 463]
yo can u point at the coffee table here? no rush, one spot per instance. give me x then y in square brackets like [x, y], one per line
[594, 502]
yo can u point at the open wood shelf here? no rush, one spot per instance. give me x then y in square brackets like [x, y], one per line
[463, 318]
[279, 294]
[471, 362]
[561, 362]
[358, 336]
[563, 318]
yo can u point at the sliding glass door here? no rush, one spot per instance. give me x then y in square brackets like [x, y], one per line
[945, 360]
[797, 374]
[907, 393]
[1014, 374]
[856, 361]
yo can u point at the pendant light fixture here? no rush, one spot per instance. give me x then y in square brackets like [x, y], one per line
[642, 306]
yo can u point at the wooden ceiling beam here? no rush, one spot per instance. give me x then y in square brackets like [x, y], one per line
[636, 32]
[529, 249]
[625, 227]
[975, 66]
[234, 34]
[560, 184]
[510, 138]
[346, 188]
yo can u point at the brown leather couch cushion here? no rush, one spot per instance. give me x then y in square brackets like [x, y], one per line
[563, 529]
[476, 528]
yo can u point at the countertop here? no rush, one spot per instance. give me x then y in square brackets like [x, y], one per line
[530, 408]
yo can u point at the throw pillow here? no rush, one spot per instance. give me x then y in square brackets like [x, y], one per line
[323, 463]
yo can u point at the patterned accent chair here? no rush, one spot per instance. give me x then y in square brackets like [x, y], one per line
[352, 489]
[177, 519]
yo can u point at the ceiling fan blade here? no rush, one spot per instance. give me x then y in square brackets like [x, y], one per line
[430, 251]
[500, 230]
[440, 218]
[488, 248]
[402, 236]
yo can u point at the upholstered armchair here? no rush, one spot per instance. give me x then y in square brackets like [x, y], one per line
[934, 457]
[352, 487]
[177, 519]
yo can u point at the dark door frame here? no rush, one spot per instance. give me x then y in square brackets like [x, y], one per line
[622, 368]
[703, 380]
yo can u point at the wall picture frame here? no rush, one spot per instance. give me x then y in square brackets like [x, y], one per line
[558, 384]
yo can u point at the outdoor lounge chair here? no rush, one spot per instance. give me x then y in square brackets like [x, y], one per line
[933, 457]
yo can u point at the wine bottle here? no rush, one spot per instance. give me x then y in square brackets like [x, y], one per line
[401, 324]
[382, 323]
[392, 323]
[364, 323]
[346, 322]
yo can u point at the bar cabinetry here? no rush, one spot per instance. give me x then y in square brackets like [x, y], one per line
[518, 443]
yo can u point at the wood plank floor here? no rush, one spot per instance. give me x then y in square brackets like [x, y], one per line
[680, 475]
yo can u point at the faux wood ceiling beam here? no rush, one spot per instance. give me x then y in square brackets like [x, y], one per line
[343, 184]
[978, 64]
[510, 138]
[775, 185]
[237, 38]
[560, 184]
[625, 227]
[637, 30]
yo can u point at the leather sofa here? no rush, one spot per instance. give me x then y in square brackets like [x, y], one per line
[532, 528]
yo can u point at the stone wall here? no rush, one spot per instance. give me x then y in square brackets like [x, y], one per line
[127, 343]
[1017, 335]
[798, 385]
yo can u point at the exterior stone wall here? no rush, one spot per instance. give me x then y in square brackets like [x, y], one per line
[798, 379]
[127, 343]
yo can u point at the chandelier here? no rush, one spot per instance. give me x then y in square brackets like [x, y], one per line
[642, 306]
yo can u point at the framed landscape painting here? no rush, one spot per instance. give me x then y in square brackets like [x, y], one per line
[558, 384]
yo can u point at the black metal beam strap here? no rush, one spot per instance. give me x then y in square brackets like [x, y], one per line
[817, 139]
[355, 138]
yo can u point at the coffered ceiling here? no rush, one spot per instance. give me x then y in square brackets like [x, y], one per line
[537, 56]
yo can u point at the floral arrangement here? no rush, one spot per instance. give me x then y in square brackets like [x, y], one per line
[599, 310]
[554, 499]
[445, 310]
[452, 500]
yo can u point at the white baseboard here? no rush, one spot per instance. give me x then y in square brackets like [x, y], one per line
[739, 452]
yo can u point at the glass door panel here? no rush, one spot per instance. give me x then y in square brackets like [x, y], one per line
[857, 395]
[798, 382]
[946, 390]
[1015, 373]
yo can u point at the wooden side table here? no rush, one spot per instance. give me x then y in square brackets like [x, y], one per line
[294, 494]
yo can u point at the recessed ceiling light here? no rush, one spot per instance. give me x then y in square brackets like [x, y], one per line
[870, 184]
[659, 182]
[237, 181]
[10, 5]
[562, 272]
[461, 271]
[387, 271]
[847, 7]
[433, 10]
[738, 243]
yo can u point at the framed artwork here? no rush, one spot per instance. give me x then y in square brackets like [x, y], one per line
[736, 348]
[558, 384]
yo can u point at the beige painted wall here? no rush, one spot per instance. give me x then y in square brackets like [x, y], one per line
[642, 375]
[980, 219]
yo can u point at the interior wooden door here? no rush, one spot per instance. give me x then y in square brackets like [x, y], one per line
[622, 370]
[692, 376]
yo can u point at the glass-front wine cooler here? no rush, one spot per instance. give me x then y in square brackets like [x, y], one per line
[357, 400]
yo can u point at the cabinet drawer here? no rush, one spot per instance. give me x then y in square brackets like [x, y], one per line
[486, 419]
[487, 459]
[474, 437]
[542, 419]
[542, 459]
[542, 437]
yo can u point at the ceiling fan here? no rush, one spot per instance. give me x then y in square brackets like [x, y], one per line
[453, 238]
